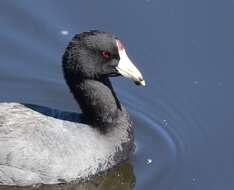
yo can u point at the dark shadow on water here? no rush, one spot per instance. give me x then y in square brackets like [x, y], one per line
[118, 178]
[63, 115]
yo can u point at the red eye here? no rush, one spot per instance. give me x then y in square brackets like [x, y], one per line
[105, 54]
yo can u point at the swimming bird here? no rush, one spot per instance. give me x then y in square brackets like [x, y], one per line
[43, 145]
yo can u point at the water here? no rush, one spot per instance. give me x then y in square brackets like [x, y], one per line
[183, 117]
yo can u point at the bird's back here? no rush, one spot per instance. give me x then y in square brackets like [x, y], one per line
[43, 145]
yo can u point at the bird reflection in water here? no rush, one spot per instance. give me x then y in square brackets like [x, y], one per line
[120, 177]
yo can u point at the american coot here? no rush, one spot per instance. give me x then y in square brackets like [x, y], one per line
[43, 145]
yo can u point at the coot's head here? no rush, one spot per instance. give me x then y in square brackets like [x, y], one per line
[91, 55]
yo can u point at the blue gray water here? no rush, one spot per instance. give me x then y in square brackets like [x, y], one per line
[184, 116]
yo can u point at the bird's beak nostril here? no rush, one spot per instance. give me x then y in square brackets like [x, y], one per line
[140, 79]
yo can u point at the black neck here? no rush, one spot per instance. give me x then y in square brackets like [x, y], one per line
[97, 100]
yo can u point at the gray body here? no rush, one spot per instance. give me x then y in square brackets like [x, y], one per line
[46, 148]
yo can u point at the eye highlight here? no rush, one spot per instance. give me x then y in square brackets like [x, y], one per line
[105, 54]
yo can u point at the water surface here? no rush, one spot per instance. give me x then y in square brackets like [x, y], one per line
[185, 50]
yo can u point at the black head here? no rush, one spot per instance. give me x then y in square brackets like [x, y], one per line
[91, 55]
